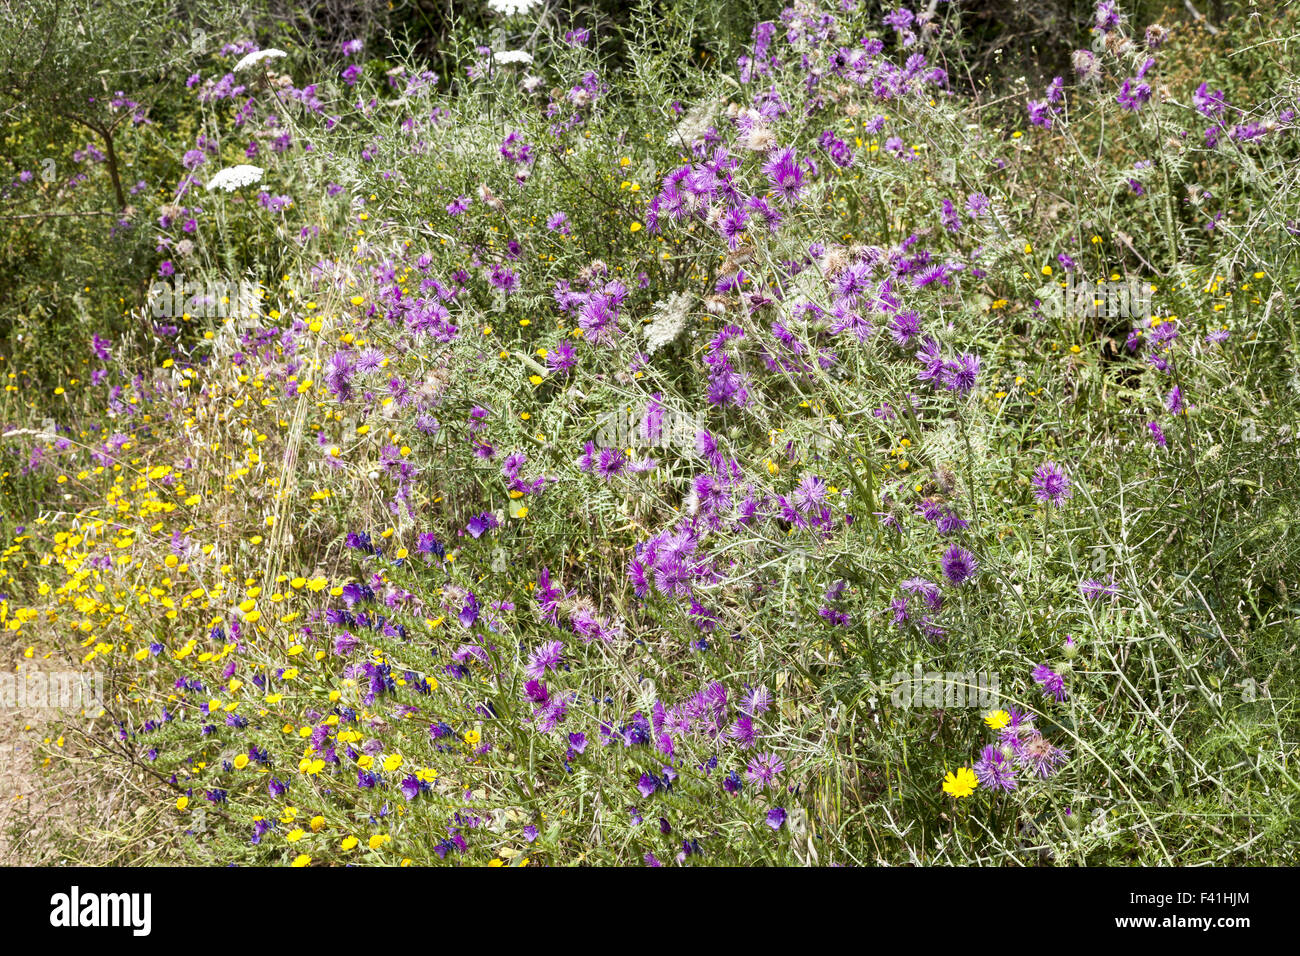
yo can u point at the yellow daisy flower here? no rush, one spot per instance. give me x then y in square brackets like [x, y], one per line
[997, 719]
[961, 784]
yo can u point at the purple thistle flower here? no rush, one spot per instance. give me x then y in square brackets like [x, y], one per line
[1039, 755]
[1107, 17]
[1040, 113]
[959, 376]
[927, 589]
[1210, 105]
[930, 356]
[562, 358]
[757, 701]
[958, 564]
[762, 769]
[610, 463]
[994, 770]
[1175, 401]
[733, 226]
[948, 215]
[1095, 590]
[1133, 94]
[905, 326]
[784, 174]
[742, 732]
[899, 608]
[547, 657]
[1052, 683]
[1051, 484]
[809, 493]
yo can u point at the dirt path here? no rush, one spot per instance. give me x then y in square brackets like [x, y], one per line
[31, 795]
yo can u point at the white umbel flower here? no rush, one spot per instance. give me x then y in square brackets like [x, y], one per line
[252, 59]
[513, 56]
[233, 177]
[508, 8]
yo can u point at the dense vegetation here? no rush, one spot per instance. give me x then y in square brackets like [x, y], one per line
[576, 440]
